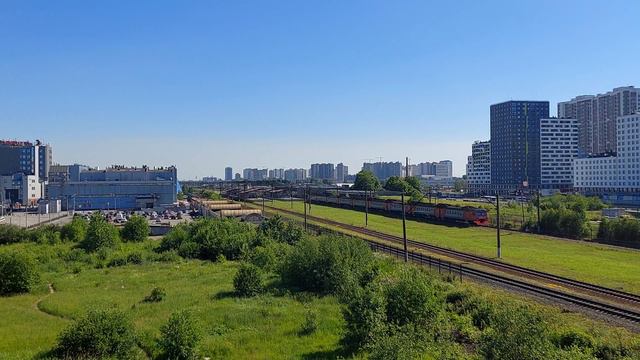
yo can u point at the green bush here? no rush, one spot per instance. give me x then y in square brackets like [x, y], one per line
[189, 250]
[136, 229]
[157, 294]
[573, 338]
[180, 337]
[516, 332]
[328, 264]
[365, 317]
[100, 234]
[75, 231]
[10, 234]
[248, 280]
[174, 238]
[18, 273]
[269, 256]
[99, 334]
[135, 258]
[214, 237]
[310, 324]
[46, 234]
[275, 228]
[623, 230]
[116, 261]
[411, 299]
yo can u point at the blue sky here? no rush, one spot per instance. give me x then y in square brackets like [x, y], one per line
[203, 85]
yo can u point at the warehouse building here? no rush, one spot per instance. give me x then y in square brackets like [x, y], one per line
[82, 188]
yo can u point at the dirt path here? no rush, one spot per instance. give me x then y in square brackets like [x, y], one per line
[36, 305]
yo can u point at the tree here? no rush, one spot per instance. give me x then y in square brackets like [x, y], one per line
[100, 234]
[395, 183]
[99, 334]
[366, 180]
[75, 231]
[180, 336]
[414, 182]
[18, 273]
[459, 185]
[136, 229]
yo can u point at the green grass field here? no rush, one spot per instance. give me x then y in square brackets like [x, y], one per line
[601, 264]
[265, 327]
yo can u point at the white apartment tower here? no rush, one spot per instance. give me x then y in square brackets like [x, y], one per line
[558, 149]
[479, 166]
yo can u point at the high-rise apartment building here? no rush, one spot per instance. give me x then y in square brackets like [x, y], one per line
[294, 175]
[597, 116]
[253, 174]
[322, 171]
[342, 171]
[276, 174]
[444, 168]
[618, 174]
[515, 143]
[558, 149]
[479, 166]
[384, 170]
[228, 173]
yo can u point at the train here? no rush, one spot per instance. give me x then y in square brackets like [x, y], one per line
[441, 212]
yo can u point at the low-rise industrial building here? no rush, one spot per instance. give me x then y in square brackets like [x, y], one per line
[82, 188]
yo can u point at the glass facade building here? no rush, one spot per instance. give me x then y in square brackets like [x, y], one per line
[515, 143]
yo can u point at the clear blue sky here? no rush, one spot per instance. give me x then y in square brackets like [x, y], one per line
[271, 84]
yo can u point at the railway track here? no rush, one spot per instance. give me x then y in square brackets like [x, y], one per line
[612, 295]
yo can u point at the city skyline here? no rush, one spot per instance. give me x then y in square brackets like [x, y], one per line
[280, 86]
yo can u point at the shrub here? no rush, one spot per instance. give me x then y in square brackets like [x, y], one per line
[405, 343]
[310, 324]
[275, 228]
[18, 273]
[189, 250]
[174, 238]
[136, 229]
[214, 237]
[99, 334]
[248, 280]
[100, 234]
[46, 234]
[574, 338]
[269, 256]
[410, 299]
[180, 336]
[328, 264]
[117, 261]
[135, 258]
[516, 332]
[365, 317]
[75, 231]
[10, 234]
[157, 294]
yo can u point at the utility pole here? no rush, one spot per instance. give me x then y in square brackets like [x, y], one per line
[498, 223]
[538, 196]
[406, 168]
[263, 203]
[366, 208]
[404, 230]
[291, 195]
[304, 203]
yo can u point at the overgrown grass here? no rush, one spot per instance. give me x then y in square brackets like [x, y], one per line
[234, 328]
[596, 263]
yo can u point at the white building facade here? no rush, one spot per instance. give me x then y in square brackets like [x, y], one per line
[619, 174]
[558, 149]
[479, 166]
